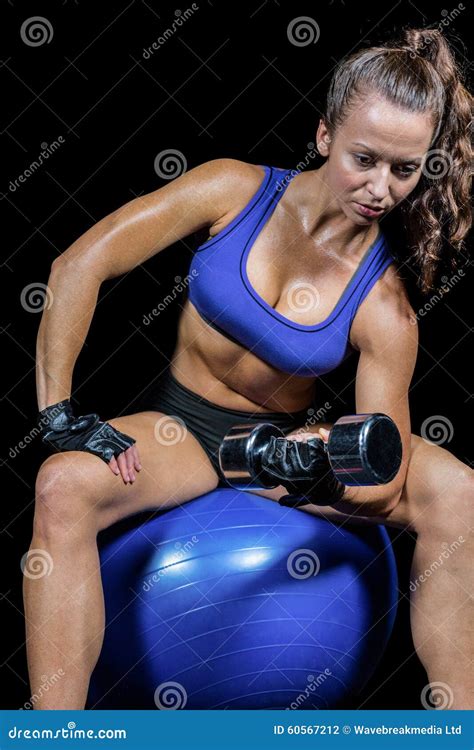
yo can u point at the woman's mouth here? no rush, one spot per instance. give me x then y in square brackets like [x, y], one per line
[366, 211]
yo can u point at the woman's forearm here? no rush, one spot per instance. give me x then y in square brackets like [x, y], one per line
[115, 245]
[368, 501]
[63, 328]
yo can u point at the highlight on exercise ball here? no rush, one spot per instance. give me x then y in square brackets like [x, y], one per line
[231, 601]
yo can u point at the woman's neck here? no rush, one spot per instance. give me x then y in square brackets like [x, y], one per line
[323, 219]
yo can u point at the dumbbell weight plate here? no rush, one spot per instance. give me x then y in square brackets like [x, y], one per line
[240, 455]
[365, 449]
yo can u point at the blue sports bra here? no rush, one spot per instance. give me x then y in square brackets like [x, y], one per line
[220, 291]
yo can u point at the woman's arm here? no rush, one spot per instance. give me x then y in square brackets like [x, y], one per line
[387, 336]
[115, 245]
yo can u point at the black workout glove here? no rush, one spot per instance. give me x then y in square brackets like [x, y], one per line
[62, 431]
[303, 468]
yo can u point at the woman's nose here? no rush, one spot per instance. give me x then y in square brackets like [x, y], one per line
[379, 186]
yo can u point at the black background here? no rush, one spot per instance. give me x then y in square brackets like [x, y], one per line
[227, 84]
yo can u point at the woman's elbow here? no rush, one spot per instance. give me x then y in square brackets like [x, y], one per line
[388, 503]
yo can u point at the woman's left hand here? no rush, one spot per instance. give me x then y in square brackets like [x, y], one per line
[322, 433]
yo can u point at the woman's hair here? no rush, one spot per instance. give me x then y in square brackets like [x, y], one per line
[419, 73]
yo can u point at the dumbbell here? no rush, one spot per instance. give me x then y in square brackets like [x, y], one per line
[363, 449]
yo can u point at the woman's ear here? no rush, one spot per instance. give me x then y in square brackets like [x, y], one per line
[323, 139]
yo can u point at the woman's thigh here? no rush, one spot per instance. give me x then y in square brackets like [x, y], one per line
[175, 469]
[432, 472]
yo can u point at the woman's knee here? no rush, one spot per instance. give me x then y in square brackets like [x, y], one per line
[449, 508]
[68, 492]
[457, 503]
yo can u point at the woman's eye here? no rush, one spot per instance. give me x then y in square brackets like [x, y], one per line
[360, 157]
[365, 161]
[407, 171]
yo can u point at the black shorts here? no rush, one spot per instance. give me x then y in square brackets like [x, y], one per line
[209, 422]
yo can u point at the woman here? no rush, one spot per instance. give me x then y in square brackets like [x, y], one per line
[247, 349]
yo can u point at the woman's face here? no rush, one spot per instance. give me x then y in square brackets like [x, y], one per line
[375, 157]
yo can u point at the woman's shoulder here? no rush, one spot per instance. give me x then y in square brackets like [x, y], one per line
[241, 181]
[385, 312]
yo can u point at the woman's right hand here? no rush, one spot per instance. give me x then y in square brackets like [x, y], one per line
[61, 431]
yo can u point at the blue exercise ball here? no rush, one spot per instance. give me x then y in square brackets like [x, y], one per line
[231, 601]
